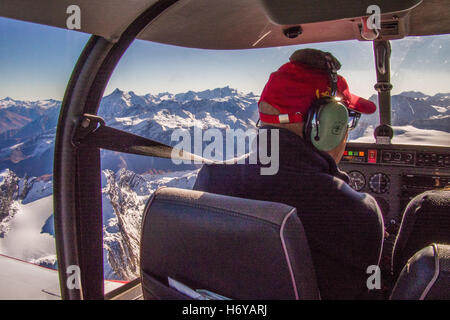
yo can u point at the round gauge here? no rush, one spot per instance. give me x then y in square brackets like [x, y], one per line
[379, 183]
[357, 180]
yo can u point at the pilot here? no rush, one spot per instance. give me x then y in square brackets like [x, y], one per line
[311, 109]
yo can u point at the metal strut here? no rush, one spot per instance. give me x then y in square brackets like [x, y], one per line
[382, 49]
[94, 133]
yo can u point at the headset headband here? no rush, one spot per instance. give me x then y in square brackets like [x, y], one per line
[332, 71]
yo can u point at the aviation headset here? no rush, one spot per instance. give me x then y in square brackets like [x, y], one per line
[327, 120]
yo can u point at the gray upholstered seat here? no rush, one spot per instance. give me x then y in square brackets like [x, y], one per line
[426, 220]
[426, 275]
[237, 248]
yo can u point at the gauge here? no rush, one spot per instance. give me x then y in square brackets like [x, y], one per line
[379, 183]
[357, 180]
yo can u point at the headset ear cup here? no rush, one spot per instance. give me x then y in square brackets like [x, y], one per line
[331, 126]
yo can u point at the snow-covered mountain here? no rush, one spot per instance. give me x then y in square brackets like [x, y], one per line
[413, 109]
[27, 142]
[25, 207]
[29, 149]
[27, 129]
[157, 116]
[26, 217]
[15, 114]
[125, 194]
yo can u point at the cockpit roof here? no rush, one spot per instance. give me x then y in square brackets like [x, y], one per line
[240, 24]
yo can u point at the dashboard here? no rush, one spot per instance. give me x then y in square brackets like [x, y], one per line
[394, 174]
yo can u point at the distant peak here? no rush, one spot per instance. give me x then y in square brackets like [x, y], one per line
[226, 89]
[414, 94]
[117, 91]
[442, 96]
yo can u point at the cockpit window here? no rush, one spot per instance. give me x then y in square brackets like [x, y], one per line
[35, 65]
[420, 97]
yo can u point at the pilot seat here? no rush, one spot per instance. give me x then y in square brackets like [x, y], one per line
[197, 245]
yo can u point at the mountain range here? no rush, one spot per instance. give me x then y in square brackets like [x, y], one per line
[27, 145]
[411, 108]
[27, 129]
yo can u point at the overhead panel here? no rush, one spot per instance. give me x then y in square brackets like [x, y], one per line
[286, 12]
[240, 24]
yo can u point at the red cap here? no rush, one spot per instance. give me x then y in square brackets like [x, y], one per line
[293, 88]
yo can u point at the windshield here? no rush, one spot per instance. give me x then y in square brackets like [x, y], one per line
[420, 74]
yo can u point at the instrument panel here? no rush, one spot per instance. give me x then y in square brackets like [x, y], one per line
[394, 174]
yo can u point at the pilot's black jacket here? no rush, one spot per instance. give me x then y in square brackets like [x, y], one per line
[344, 227]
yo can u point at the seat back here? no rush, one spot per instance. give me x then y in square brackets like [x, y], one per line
[236, 248]
[426, 220]
[425, 276]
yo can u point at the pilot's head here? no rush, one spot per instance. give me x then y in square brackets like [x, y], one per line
[307, 97]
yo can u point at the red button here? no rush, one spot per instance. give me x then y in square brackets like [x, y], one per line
[372, 156]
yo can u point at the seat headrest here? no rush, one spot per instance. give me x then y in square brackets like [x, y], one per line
[237, 248]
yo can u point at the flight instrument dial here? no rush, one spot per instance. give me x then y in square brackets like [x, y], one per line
[357, 180]
[379, 183]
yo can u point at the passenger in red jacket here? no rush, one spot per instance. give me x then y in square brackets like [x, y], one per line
[310, 109]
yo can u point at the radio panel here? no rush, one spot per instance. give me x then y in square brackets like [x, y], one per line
[431, 159]
[391, 156]
[398, 157]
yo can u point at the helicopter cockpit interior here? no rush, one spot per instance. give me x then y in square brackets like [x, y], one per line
[218, 234]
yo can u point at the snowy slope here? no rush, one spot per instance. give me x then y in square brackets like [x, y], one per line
[24, 240]
[411, 135]
[26, 219]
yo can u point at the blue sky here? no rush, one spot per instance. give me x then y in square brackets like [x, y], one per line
[36, 62]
